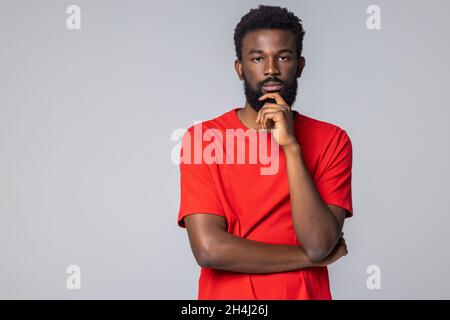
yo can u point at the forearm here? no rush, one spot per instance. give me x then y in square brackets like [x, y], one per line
[231, 253]
[315, 225]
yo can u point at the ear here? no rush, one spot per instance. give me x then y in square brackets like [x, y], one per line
[301, 65]
[238, 68]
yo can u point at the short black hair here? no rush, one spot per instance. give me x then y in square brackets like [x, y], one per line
[268, 17]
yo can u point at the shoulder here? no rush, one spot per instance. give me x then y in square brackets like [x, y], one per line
[220, 122]
[319, 126]
[320, 135]
[323, 129]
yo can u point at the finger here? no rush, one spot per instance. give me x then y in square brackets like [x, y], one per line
[274, 95]
[266, 118]
[269, 106]
[273, 108]
[268, 115]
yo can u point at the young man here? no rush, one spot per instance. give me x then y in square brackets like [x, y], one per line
[266, 235]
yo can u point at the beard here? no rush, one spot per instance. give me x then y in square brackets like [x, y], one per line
[288, 92]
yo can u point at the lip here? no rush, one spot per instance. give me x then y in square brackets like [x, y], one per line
[272, 86]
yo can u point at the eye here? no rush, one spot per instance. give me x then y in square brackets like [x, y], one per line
[283, 58]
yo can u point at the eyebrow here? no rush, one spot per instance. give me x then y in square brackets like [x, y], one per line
[261, 51]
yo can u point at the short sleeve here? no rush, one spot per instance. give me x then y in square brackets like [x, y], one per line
[198, 192]
[334, 184]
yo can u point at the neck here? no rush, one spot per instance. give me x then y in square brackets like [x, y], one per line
[248, 116]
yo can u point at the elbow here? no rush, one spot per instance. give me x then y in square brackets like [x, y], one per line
[319, 252]
[204, 260]
[319, 249]
[206, 255]
[316, 255]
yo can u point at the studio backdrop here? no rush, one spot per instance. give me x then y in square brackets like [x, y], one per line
[94, 94]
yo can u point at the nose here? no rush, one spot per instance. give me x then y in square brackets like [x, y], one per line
[271, 67]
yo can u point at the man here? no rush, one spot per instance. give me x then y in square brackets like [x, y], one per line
[267, 236]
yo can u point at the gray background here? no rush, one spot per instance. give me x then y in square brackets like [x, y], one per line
[86, 118]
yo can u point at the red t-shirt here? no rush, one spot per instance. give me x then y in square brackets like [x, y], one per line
[257, 206]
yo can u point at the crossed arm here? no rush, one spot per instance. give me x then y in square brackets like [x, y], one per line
[214, 247]
[318, 227]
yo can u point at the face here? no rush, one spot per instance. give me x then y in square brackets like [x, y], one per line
[269, 56]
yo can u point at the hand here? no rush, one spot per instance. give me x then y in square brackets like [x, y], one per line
[338, 252]
[280, 116]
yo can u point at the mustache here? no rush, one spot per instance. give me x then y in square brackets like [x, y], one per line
[276, 80]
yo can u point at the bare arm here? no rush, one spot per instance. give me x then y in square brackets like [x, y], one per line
[318, 226]
[214, 247]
